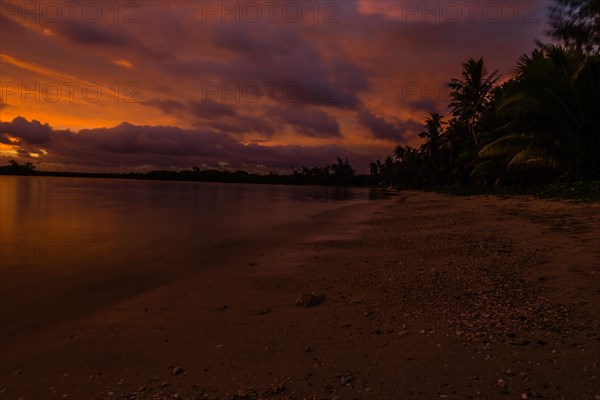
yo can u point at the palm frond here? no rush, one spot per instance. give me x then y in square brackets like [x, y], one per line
[506, 146]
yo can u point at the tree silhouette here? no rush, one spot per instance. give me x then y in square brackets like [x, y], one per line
[14, 168]
[553, 125]
[432, 135]
[472, 94]
[576, 24]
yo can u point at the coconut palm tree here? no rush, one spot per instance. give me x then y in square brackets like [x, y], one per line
[553, 122]
[432, 135]
[472, 94]
[576, 24]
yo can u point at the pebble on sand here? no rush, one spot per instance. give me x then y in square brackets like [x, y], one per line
[310, 299]
[178, 370]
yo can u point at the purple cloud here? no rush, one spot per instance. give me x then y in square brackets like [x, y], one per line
[28, 132]
[166, 146]
[380, 128]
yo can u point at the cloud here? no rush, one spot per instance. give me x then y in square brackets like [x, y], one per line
[168, 106]
[123, 63]
[209, 108]
[165, 146]
[242, 124]
[323, 75]
[381, 128]
[219, 116]
[28, 132]
[266, 119]
[92, 34]
[308, 121]
[286, 67]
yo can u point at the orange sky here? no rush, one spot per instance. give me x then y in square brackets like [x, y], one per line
[289, 84]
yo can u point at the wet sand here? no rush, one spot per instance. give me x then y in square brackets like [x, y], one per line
[427, 297]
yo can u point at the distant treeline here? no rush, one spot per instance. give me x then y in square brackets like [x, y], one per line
[338, 174]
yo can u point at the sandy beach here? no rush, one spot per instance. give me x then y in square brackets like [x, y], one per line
[427, 296]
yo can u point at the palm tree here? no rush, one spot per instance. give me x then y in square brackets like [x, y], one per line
[576, 24]
[554, 125]
[432, 135]
[472, 95]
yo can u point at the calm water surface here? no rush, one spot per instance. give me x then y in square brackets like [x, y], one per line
[44, 216]
[71, 238]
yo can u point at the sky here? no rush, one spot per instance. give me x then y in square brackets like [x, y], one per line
[261, 86]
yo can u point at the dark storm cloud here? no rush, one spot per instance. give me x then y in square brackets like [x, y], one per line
[28, 132]
[219, 116]
[267, 119]
[201, 109]
[279, 60]
[161, 146]
[380, 128]
[241, 124]
[92, 34]
[168, 106]
[209, 108]
[311, 122]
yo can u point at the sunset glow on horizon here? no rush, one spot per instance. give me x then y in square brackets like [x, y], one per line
[264, 86]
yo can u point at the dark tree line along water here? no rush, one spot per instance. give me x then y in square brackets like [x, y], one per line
[540, 126]
[339, 174]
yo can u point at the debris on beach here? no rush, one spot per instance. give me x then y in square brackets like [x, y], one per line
[310, 299]
[264, 310]
[347, 380]
[276, 388]
[251, 393]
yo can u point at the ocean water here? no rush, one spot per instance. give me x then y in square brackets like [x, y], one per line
[79, 242]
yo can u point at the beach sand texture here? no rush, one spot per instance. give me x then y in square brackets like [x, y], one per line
[427, 296]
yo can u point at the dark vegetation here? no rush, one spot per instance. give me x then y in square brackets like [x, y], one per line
[541, 127]
[339, 174]
[536, 134]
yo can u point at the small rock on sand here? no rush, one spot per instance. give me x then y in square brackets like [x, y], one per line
[263, 311]
[310, 299]
[347, 380]
[178, 370]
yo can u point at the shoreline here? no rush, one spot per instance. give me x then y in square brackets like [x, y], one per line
[428, 296]
[99, 288]
[587, 191]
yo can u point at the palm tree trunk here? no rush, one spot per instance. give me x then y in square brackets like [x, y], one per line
[472, 129]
